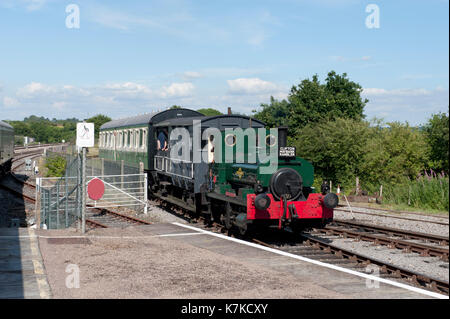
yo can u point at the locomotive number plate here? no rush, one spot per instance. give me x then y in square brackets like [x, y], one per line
[287, 151]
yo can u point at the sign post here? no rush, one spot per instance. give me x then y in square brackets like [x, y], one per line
[85, 138]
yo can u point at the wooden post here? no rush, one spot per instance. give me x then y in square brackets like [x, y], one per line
[357, 185]
[381, 191]
[103, 167]
[409, 196]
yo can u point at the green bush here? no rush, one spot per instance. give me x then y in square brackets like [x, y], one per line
[56, 166]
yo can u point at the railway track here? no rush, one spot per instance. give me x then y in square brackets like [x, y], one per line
[428, 245]
[104, 218]
[321, 249]
[22, 157]
[393, 211]
[313, 247]
[443, 222]
[17, 193]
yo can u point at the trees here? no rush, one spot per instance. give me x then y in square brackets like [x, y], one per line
[98, 121]
[437, 135]
[394, 152]
[311, 101]
[209, 112]
[335, 148]
[376, 152]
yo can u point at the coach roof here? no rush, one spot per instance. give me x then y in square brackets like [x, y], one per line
[219, 121]
[4, 124]
[150, 118]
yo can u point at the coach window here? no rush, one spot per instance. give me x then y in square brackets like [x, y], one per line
[144, 144]
[211, 149]
[137, 141]
[230, 139]
[270, 140]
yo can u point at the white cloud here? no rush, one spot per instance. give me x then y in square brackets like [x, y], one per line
[191, 75]
[177, 90]
[10, 102]
[59, 105]
[251, 86]
[407, 104]
[396, 92]
[125, 98]
[30, 5]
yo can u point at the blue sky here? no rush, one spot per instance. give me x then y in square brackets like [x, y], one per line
[132, 57]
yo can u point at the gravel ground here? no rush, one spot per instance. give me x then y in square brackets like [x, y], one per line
[153, 267]
[391, 221]
[431, 266]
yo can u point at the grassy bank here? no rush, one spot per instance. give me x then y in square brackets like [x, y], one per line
[429, 191]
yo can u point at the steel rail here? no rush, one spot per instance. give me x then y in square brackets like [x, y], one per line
[423, 250]
[19, 194]
[399, 272]
[441, 240]
[394, 211]
[392, 216]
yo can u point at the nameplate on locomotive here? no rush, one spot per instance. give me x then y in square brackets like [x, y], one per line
[287, 151]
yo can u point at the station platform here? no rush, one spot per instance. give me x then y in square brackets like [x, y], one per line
[22, 273]
[180, 261]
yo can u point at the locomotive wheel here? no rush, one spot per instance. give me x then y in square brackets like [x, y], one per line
[242, 230]
[227, 217]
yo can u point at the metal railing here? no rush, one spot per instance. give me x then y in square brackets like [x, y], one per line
[61, 197]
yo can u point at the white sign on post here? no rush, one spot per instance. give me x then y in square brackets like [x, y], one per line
[85, 134]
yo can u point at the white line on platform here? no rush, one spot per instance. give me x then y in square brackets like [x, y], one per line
[103, 237]
[319, 263]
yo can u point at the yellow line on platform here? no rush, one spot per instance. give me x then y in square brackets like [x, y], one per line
[38, 267]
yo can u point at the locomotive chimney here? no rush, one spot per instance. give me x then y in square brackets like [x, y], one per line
[229, 110]
[282, 136]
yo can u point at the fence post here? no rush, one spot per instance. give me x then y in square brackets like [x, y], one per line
[57, 205]
[357, 185]
[78, 196]
[103, 166]
[83, 192]
[145, 194]
[49, 211]
[66, 192]
[122, 166]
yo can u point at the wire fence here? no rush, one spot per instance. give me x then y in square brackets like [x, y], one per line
[122, 185]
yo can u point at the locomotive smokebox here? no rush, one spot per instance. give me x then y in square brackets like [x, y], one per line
[282, 136]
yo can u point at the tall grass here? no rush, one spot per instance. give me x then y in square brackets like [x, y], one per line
[428, 191]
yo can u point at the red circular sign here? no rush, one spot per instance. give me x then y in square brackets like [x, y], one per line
[96, 189]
